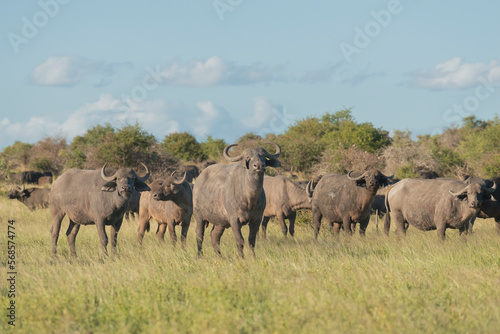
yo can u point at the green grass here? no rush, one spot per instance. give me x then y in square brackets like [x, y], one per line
[375, 285]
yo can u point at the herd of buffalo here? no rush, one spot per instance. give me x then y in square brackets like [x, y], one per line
[238, 194]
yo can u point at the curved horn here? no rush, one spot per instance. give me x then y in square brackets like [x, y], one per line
[23, 188]
[354, 178]
[309, 189]
[226, 155]
[460, 192]
[103, 174]
[277, 148]
[492, 188]
[145, 177]
[181, 181]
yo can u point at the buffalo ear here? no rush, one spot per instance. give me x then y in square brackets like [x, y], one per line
[273, 162]
[141, 186]
[247, 163]
[109, 186]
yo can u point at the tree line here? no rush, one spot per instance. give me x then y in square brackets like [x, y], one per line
[332, 142]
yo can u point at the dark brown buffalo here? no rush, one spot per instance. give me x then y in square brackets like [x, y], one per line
[491, 206]
[345, 200]
[91, 197]
[170, 203]
[231, 196]
[33, 176]
[435, 204]
[133, 204]
[33, 198]
[283, 199]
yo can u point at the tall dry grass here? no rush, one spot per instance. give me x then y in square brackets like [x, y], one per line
[345, 285]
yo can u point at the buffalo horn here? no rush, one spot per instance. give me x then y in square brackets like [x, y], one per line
[309, 189]
[354, 178]
[103, 174]
[145, 177]
[23, 188]
[460, 192]
[492, 189]
[181, 181]
[277, 148]
[226, 155]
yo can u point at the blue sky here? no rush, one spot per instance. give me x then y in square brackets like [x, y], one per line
[227, 67]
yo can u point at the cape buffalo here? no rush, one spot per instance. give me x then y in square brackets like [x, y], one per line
[378, 207]
[33, 198]
[435, 204]
[346, 199]
[283, 199]
[170, 203]
[191, 171]
[231, 196]
[491, 206]
[91, 197]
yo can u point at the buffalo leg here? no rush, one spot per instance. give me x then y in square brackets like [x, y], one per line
[346, 222]
[317, 216]
[252, 235]
[160, 233]
[216, 234]
[336, 228]
[200, 233]
[463, 231]
[441, 231]
[363, 225]
[399, 221]
[102, 236]
[281, 220]
[114, 234]
[265, 221]
[184, 232]
[55, 229]
[238, 237]
[173, 235]
[143, 226]
[71, 234]
[291, 226]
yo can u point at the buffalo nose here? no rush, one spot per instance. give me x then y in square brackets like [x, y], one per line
[155, 195]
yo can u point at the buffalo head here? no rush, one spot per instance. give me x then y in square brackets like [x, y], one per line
[370, 179]
[18, 193]
[474, 194]
[124, 180]
[256, 159]
[168, 188]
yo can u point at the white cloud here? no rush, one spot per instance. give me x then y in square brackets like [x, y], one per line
[157, 117]
[215, 71]
[63, 71]
[455, 73]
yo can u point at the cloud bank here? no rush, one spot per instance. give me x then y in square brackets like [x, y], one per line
[455, 73]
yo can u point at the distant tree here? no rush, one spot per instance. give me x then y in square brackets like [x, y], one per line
[127, 146]
[213, 148]
[17, 155]
[183, 145]
[49, 154]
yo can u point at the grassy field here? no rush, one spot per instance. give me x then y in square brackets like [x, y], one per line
[375, 285]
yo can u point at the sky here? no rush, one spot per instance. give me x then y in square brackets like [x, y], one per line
[223, 68]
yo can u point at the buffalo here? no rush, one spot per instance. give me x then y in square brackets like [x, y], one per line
[191, 171]
[491, 206]
[33, 176]
[435, 204]
[230, 195]
[91, 197]
[170, 203]
[344, 200]
[33, 198]
[283, 199]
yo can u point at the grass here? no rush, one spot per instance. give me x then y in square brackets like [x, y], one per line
[375, 285]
